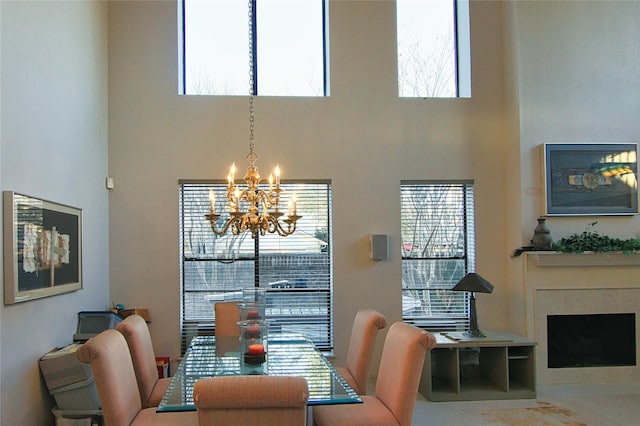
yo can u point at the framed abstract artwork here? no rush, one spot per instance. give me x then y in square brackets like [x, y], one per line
[591, 179]
[42, 248]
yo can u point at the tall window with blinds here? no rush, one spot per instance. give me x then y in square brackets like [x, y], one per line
[296, 270]
[438, 249]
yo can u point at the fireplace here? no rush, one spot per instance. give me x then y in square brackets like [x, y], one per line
[592, 340]
[597, 297]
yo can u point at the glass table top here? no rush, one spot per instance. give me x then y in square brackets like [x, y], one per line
[287, 355]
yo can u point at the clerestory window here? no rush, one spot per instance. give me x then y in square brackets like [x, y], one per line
[434, 54]
[287, 37]
[438, 249]
[296, 270]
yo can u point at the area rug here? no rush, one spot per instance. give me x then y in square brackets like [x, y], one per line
[544, 414]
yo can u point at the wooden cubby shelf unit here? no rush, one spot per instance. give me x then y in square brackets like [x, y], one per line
[498, 366]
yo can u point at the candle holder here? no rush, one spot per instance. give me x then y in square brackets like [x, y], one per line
[253, 346]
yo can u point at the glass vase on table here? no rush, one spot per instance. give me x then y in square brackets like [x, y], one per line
[253, 346]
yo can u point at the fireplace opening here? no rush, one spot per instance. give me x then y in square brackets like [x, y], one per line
[594, 340]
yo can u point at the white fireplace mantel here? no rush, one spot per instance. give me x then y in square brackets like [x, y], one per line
[589, 258]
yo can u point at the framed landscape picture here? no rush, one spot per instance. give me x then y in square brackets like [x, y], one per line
[42, 248]
[590, 179]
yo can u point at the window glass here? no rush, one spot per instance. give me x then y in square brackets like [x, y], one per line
[432, 48]
[288, 47]
[216, 51]
[438, 250]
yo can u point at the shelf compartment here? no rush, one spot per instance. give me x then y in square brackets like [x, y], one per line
[502, 368]
[522, 368]
[445, 364]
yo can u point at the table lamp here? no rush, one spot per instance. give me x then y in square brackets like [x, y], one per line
[473, 283]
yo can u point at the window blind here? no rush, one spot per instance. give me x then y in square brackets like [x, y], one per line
[296, 270]
[438, 249]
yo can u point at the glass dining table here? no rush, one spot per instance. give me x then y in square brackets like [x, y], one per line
[287, 355]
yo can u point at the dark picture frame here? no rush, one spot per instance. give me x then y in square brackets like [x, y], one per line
[590, 179]
[42, 248]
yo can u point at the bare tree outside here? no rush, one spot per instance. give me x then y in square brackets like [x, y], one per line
[426, 48]
[203, 82]
[436, 252]
[427, 73]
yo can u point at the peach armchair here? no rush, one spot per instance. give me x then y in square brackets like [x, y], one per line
[251, 400]
[227, 317]
[364, 333]
[116, 384]
[396, 386]
[136, 332]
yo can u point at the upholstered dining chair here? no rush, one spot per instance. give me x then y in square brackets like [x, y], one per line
[115, 381]
[364, 333]
[136, 332]
[251, 400]
[403, 354]
[227, 317]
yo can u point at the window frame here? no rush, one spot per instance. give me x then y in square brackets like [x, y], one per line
[182, 55]
[309, 267]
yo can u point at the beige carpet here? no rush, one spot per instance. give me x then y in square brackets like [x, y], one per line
[604, 404]
[544, 414]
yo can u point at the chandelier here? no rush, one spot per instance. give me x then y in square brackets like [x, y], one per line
[252, 208]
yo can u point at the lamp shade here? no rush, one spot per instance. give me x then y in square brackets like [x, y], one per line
[475, 283]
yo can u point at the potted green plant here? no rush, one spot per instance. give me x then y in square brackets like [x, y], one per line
[591, 240]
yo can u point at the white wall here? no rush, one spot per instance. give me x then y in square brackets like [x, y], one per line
[53, 146]
[578, 80]
[362, 137]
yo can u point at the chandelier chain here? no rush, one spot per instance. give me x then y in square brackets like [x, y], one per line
[252, 157]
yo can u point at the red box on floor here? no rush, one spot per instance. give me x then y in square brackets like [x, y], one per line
[164, 366]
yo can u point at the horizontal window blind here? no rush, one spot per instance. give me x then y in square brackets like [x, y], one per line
[438, 249]
[296, 270]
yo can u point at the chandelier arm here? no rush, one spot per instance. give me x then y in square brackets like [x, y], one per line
[291, 228]
[273, 224]
[226, 226]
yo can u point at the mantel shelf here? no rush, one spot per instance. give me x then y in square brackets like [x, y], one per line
[555, 258]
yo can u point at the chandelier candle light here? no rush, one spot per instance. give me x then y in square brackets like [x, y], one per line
[262, 214]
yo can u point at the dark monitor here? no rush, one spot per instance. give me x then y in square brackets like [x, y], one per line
[91, 323]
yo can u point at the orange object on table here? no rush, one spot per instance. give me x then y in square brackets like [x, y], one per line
[256, 349]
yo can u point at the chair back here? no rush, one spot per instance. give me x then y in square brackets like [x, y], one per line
[364, 333]
[251, 400]
[403, 354]
[136, 332]
[115, 380]
[227, 317]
